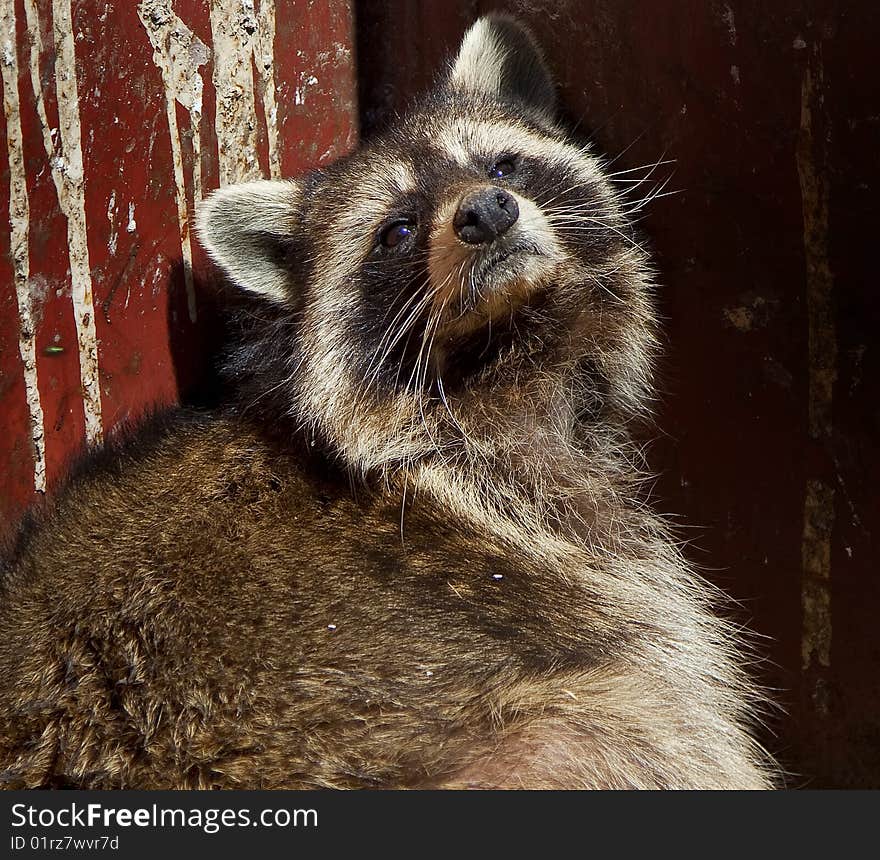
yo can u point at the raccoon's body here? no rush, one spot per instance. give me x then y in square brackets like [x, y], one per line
[412, 554]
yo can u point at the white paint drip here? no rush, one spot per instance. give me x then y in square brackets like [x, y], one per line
[111, 217]
[132, 224]
[241, 37]
[179, 54]
[264, 59]
[299, 93]
[66, 160]
[19, 222]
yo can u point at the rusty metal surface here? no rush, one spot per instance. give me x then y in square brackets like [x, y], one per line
[769, 415]
[119, 115]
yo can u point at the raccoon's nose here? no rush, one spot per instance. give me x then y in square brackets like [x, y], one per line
[484, 215]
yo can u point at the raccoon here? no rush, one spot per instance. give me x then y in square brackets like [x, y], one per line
[413, 551]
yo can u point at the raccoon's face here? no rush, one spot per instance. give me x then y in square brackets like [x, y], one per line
[470, 262]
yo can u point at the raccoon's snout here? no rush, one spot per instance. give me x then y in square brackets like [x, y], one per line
[484, 215]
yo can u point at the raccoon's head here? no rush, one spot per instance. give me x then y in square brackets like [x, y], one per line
[469, 273]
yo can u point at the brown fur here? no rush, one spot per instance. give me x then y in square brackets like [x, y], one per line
[334, 584]
[205, 615]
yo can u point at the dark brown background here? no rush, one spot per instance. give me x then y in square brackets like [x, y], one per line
[770, 411]
[769, 419]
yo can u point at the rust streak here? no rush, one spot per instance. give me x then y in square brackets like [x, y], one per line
[819, 504]
[816, 585]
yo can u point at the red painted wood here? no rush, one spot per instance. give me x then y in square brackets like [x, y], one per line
[148, 349]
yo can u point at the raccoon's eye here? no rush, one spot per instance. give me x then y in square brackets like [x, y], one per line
[503, 167]
[397, 233]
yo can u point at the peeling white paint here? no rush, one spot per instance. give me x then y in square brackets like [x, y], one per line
[19, 222]
[244, 39]
[132, 224]
[66, 160]
[179, 54]
[234, 31]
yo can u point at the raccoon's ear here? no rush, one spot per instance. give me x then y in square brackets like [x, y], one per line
[500, 57]
[245, 230]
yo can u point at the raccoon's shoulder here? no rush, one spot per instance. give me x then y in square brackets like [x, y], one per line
[177, 466]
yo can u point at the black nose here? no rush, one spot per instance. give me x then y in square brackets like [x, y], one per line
[484, 215]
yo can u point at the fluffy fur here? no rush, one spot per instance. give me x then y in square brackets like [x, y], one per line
[413, 553]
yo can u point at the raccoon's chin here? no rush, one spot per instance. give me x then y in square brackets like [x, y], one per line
[497, 286]
[505, 267]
